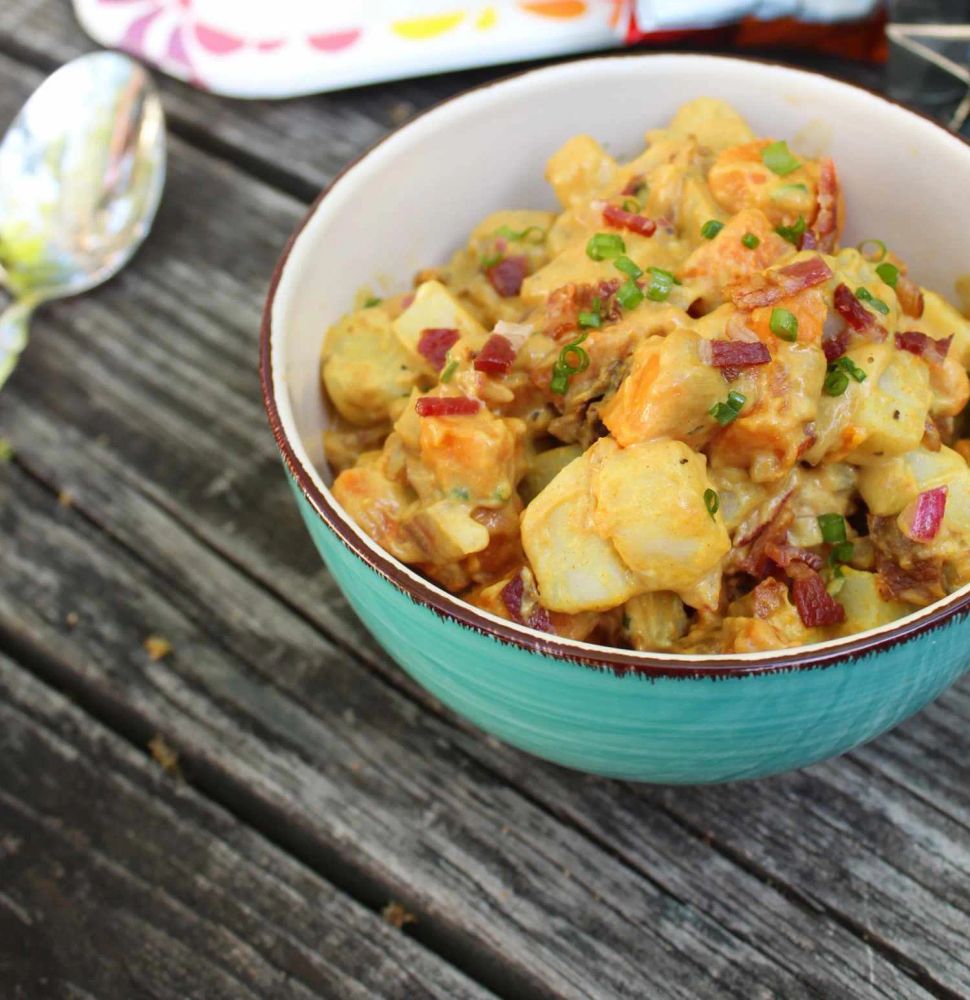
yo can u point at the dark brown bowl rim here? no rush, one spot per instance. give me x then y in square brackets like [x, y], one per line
[618, 661]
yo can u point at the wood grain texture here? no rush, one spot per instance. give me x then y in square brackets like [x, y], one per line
[141, 401]
[117, 880]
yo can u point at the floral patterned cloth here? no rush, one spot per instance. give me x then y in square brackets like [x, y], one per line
[288, 47]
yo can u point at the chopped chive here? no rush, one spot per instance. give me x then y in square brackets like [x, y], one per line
[724, 413]
[587, 318]
[565, 366]
[889, 273]
[839, 373]
[661, 283]
[372, 301]
[490, 260]
[836, 383]
[712, 502]
[449, 370]
[842, 553]
[871, 255]
[629, 295]
[778, 158]
[628, 267]
[864, 295]
[794, 232]
[711, 228]
[605, 246]
[750, 240]
[631, 205]
[518, 236]
[784, 324]
[786, 190]
[832, 527]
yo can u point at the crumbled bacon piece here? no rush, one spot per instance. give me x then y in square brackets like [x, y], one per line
[852, 310]
[620, 218]
[772, 534]
[568, 301]
[784, 555]
[827, 219]
[783, 282]
[512, 596]
[507, 275]
[767, 597]
[910, 296]
[920, 519]
[835, 337]
[633, 184]
[435, 343]
[446, 406]
[930, 350]
[920, 583]
[816, 606]
[496, 356]
[809, 240]
[734, 354]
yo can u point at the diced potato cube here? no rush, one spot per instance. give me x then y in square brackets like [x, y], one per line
[655, 621]
[713, 122]
[434, 307]
[578, 168]
[364, 368]
[883, 415]
[648, 500]
[667, 394]
[447, 532]
[378, 505]
[576, 569]
[888, 484]
[864, 607]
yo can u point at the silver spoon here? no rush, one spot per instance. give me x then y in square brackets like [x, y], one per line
[81, 173]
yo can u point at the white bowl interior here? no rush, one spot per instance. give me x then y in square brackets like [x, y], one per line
[411, 201]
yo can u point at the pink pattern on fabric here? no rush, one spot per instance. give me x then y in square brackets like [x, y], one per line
[134, 36]
[334, 41]
[215, 41]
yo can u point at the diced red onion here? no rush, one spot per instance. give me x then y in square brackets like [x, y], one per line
[927, 348]
[816, 606]
[738, 353]
[920, 519]
[446, 406]
[620, 218]
[852, 310]
[809, 240]
[507, 275]
[435, 343]
[496, 357]
[512, 594]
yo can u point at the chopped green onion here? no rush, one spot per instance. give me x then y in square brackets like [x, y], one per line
[836, 383]
[864, 295]
[460, 493]
[711, 228]
[588, 318]
[631, 205]
[565, 367]
[832, 527]
[661, 282]
[784, 324]
[724, 413]
[372, 301]
[889, 273]
[517, 237]
[842, 553]
[490, 260]
[794, 232]
[750, 240]
[628, 267]
[786, 190]
[870, 255]
[778, 158]
[605, 246]
[712, 502]
[629, 295]
[449, 370]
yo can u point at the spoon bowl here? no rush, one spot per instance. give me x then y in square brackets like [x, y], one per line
[82, 169]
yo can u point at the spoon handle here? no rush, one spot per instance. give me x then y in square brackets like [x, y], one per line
[14, 322]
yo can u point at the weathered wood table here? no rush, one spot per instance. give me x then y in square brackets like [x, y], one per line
[214, 784]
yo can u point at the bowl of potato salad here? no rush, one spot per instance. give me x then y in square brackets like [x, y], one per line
[626, 400]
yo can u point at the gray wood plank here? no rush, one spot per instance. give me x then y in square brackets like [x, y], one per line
[183, 407]
[116, 880]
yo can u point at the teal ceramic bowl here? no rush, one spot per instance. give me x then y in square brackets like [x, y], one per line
[639, 716]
